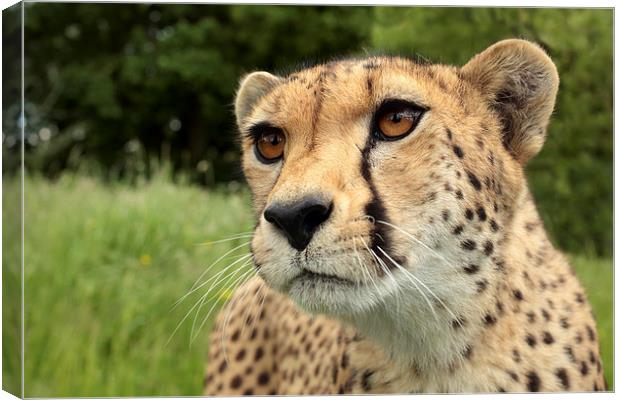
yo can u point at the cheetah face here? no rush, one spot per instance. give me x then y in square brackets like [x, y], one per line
[377, 177]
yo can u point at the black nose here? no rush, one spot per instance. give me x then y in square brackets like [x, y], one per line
[299, 220]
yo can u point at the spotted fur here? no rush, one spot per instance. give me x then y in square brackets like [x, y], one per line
[464, 292]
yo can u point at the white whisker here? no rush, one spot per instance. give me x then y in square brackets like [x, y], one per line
[416, 240]
[238, 281]
[216, 261]
[223, 270]
[430, 305]
[236, 237]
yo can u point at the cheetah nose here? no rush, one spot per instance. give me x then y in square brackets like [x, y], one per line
[299, 221]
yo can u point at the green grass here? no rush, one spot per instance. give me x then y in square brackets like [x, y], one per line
[104, 265]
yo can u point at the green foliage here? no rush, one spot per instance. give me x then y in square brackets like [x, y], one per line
[105, 264]
[119, 82]
[572, 177]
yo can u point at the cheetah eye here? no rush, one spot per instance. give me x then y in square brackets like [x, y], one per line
[270, 144]
[395, 119]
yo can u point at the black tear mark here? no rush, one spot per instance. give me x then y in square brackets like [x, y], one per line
[380, 236]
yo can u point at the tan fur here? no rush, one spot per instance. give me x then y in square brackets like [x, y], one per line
[469, 296]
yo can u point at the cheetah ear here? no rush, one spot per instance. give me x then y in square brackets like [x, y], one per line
[251, 89]
[520, 82]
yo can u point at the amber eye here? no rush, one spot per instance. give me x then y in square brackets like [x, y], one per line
[395, 119]
[270, 145]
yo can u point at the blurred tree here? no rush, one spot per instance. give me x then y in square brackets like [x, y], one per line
[572, 177]
[129, 83]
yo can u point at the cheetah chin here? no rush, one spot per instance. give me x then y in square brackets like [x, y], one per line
[397, 246]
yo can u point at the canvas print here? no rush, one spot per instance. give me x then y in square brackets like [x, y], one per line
[306, 200]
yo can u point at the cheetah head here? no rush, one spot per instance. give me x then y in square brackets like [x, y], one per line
[376, 178]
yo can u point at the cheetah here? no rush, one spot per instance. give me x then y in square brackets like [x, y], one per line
[397, 247]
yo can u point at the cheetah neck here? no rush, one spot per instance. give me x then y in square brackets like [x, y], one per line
[439, 336]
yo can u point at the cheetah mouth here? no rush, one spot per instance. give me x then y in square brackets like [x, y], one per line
[311, 276]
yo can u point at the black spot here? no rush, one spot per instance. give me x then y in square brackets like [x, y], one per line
[445, 215]
[545, 315]
[494, 225]
[590, 333]
[449, 134]
[501, 390]
[584, 368]
[473, 180]
[516, 356]
[468, 244]
[457, 230]
[569, 353]
[531, 317]
[366, 380]
[578, 338]
[488, 248]
[517, 294]
[259, 354]
[222, 367]
[334, 374]
[469, 214]
[533, 381]
[458, 151]
[564, 323]
[592, 358]
[547, 338]
[563, 377]
[235, 335]
[317, 331]
[263, 378]
[530, 340]
[489, 319]
[579, 298]
[458, 323]
[513, 375]
[248, 392]
[459, 194]
[235, 383]
[482, 215]
[481, 285]
[471, 268]
[467, 352]
[345, 360]
[240, 355]
[500, 307]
